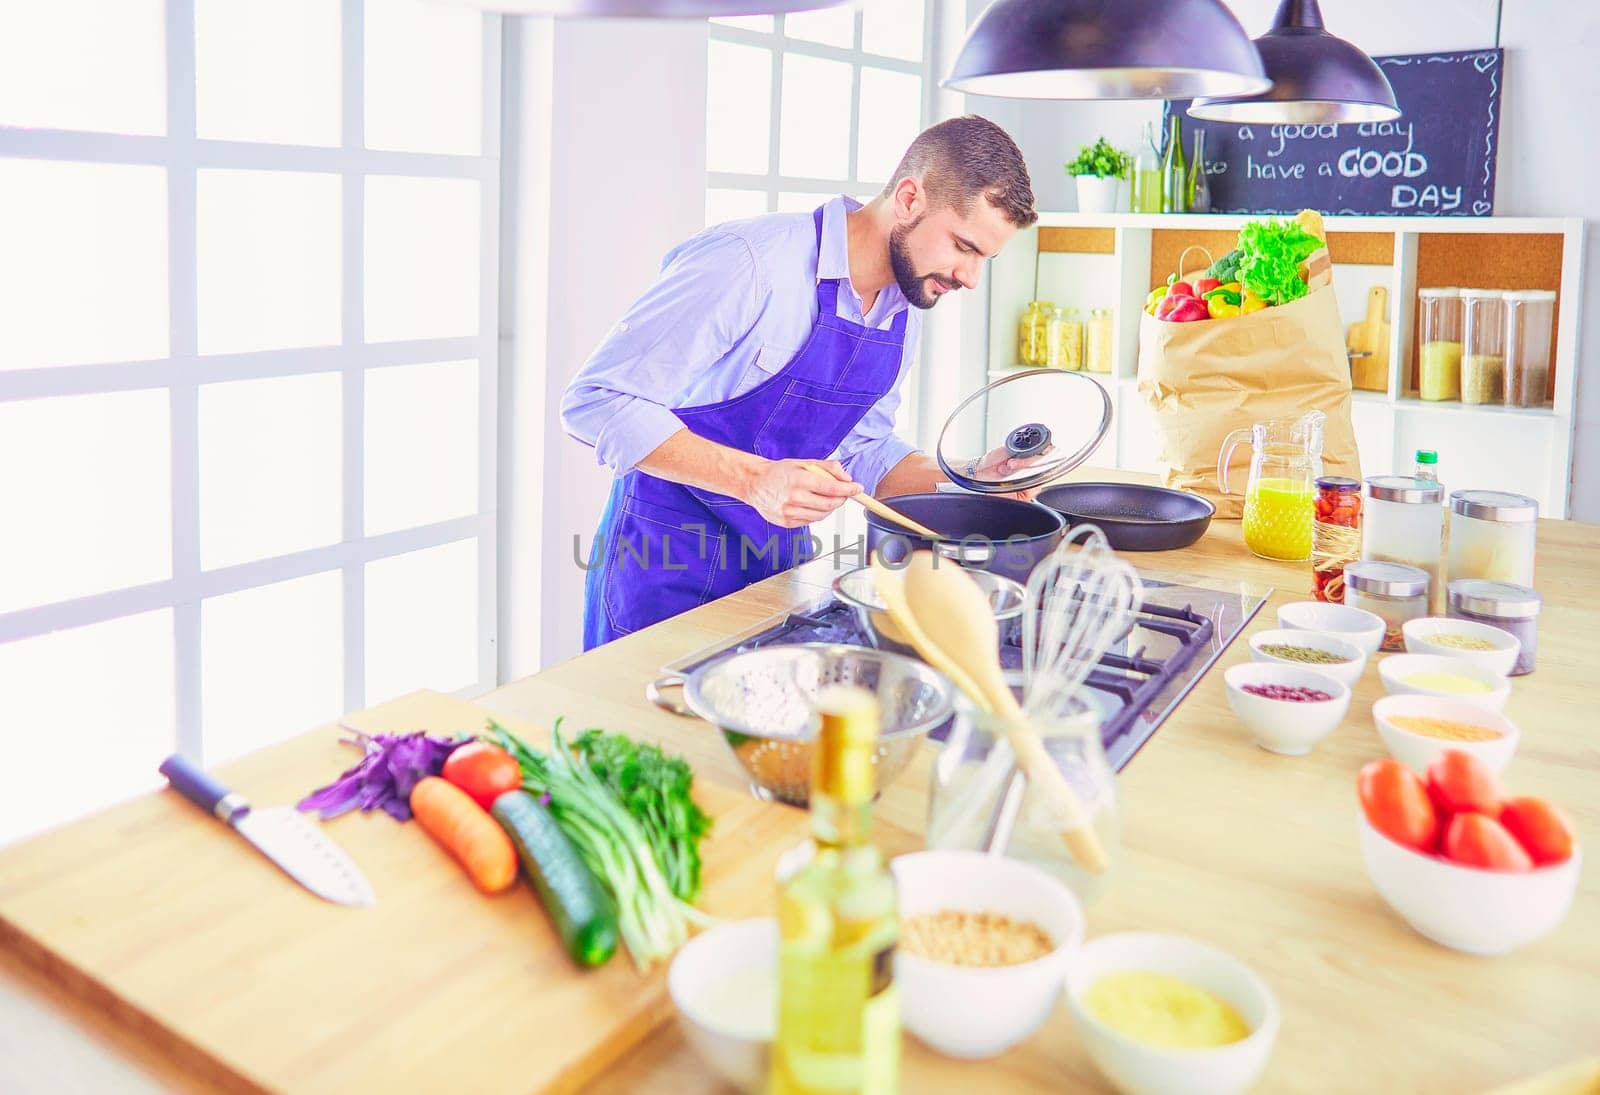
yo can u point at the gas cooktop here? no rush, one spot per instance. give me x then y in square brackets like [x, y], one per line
[1184, 625]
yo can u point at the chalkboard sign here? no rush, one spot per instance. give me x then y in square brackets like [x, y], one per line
[1436, 159]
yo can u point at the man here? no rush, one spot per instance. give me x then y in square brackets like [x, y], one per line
[768, 347]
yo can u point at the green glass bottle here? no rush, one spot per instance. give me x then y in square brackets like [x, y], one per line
[838, 923]
[1174, 172]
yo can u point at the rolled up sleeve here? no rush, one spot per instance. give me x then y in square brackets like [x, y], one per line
[707, 298]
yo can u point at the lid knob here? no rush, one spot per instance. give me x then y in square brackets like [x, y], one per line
[1026, 440]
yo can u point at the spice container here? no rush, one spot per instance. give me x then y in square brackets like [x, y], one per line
[1064, 340]
[1335, 536]
[1439, 364]
[1393, 591]
[1530, 316]
[1491, 536]
[1031, 333]
[1514, 609]
[973, 772]
[1403, 522]
[1483, 360]
[1097, 341]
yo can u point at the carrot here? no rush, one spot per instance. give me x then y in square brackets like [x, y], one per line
[467, 832]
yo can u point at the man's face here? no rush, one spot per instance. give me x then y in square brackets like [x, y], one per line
[934, 248]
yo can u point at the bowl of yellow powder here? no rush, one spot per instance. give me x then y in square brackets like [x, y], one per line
[1415, 729]
[1443, 678]
[1479, 644]
[1166, 1015]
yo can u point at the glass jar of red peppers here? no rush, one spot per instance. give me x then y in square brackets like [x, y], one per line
[1335, 535]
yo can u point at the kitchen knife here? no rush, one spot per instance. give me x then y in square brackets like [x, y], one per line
[280, 833]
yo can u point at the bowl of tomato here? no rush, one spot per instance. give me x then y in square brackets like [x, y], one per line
[1462, 863]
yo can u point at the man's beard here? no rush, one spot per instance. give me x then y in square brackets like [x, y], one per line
[912, 284]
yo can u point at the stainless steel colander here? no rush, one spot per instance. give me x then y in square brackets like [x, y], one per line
[764, 702]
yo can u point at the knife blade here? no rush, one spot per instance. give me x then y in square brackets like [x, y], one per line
[280, 833]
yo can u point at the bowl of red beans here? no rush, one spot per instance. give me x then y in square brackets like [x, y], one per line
[1286, 708]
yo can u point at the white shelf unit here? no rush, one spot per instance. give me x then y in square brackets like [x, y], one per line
[1107, 264]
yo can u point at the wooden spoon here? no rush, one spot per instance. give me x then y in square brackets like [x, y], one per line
[952, 615]
[888, 513]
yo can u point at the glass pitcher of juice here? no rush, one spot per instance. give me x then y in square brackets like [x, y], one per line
[1280, 496]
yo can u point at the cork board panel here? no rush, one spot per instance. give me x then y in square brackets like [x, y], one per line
[1488, 260]
[1354, 248]
[1079, 241]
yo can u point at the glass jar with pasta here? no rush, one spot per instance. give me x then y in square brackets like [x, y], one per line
[1064, 338]
[1032, 348]
[1097, 341]
[1335, 535]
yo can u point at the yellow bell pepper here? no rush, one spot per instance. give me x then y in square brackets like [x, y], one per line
[1251, 303]
[1224, 301]
[1154, 299]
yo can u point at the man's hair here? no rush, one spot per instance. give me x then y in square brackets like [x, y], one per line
[961, 158]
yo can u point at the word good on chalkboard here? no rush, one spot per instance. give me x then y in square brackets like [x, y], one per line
[1436, 159]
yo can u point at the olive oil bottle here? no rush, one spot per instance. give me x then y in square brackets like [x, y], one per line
[838, 1011]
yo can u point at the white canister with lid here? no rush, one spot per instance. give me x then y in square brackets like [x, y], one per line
[1492, 536]
[1402, 521]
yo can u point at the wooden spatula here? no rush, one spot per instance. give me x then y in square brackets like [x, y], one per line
[888, 513]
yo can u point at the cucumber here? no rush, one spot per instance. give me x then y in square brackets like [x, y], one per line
[580, 909]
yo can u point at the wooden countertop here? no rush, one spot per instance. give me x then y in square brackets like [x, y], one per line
[1250, 851]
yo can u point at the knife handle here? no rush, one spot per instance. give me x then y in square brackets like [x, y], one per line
[202, 789]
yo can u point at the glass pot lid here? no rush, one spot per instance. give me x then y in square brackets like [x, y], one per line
[1024, 431]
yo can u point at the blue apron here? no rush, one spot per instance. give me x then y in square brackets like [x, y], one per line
[664, 548]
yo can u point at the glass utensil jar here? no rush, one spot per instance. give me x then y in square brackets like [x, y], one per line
[1393, 591]
[1491, 536]
[1064, 340]
[1530, 319]
[1514, 609]
[1097, 341]
[1279, 498]
[1483, 361]
[972, 774]
[1335, 536]
[1032, 344]
[1439, 359]
[1403, 522]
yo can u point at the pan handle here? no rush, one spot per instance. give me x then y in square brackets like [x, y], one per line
[656, 692]
[967, 552]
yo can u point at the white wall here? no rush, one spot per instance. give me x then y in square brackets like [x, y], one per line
[608, 170]
[1547, 163]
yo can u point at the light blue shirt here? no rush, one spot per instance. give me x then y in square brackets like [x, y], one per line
[731, 307]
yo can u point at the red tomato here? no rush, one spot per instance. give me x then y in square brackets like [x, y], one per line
[483, 771]
[1180, 289]
[1541, 829]
[1459, 782]
[1396, 803]
[1202, 286]
[1477, 840]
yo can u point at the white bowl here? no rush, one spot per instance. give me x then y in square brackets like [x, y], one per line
[971, 1011]
[1420, 633]
[737, 1043]
[1365, 629]
[1138, 1068]
[1345, 672]
[1416, 751]
[1396, 670]
[1285, 726]
[1469, 908]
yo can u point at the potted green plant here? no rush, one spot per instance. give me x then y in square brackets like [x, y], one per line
[1099, 170]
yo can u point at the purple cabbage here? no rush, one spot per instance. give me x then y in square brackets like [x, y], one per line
[383, 779]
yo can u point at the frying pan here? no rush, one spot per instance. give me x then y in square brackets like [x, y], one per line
[1133, 517]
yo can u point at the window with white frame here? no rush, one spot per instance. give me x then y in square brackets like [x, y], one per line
[805, 106]
[247, 377]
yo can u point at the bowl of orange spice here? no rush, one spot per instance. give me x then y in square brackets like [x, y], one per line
[1417, 728]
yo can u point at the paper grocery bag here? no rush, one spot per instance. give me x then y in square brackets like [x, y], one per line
[1205, 379]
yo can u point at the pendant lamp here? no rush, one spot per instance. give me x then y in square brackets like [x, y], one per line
[645, 9]
[1107, 49]
[1316, 78]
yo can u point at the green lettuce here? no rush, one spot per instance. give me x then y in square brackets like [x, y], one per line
[1270, 254]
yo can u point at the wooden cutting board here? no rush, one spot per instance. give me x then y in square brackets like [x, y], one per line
[1371, 337]
[171, 923]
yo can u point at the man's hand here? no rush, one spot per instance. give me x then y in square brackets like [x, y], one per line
[791, 493]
